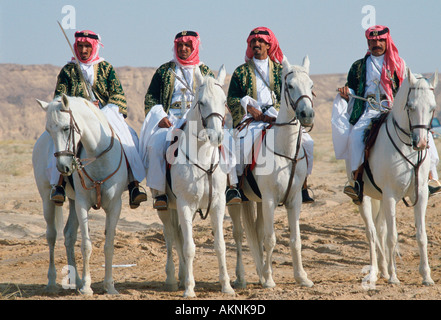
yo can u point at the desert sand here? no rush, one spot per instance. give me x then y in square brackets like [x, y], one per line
[334, 246]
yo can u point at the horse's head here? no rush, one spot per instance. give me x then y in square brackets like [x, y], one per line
[297, 91]
[420, 107]
[210, 103]
[64, 132]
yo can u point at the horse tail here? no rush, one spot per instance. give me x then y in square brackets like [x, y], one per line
[253, 226]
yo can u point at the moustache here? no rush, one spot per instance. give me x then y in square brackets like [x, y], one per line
[377, 48]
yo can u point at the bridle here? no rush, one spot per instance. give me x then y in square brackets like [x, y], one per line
[421, 155]
[213, 114]
[294, 104]
[294, 160]
[78, 163]
[209, 172]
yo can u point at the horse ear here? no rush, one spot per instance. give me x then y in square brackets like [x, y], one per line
[285, 63]
[411, 77]
[221, 75]
[65, 102]
[42, 104]
[198, 77]
[306, 63]
[434, 80]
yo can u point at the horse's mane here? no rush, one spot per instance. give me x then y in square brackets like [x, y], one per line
[81, 103]
[401, 96]
[210, 83]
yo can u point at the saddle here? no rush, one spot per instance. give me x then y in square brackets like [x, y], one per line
[248, 174]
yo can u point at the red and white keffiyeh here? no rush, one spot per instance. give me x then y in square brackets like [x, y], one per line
[95, 41]
[392, 61]
[274, 52]
[185, 36]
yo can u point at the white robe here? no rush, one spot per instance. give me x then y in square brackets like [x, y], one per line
[154, 141]
[249, 135]
[127, 135]
[342, 131]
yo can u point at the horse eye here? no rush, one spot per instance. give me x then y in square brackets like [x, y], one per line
[66, 128]
[290, 86]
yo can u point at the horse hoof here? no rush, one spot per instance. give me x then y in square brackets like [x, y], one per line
[240, 284]
[306, 283]
[86, 291]
[189, 294]
[51, 289]
[112, 291]
[269, 284]
[171, 287]
[229, 291]
[428, 282]
[394, 281]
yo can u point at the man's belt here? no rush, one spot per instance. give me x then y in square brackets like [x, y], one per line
[177, 105]
[373, 96]
[265, 108]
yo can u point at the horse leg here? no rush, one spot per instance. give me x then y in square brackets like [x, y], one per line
[70, 238]
[295, 242]
[166, 217]
[381, 227]
[389, 206]
[217, 218]
[234, 212]
[269, 241]
[49, 210]
[421, 236]
[112, 217]
[86, 248]
[365, 208]
[189, 248]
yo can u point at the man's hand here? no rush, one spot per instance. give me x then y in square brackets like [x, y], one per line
[344, 92]
[164, 123]
[256, 114]
[96, 103]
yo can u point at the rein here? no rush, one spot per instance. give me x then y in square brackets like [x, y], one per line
[293, 160]
[415, 166]
[96, 184]
[209, 172]
[421, 157]
[293, 103]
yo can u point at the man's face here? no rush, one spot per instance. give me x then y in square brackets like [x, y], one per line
[377, 47]
[184, 49]
[84, 50]
[260, 48]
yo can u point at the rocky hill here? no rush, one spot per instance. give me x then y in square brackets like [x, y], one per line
[22, 118]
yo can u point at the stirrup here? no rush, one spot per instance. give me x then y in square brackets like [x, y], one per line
[161, 202]
[353, 192]
[232, 197]
[136, 197]
[58, 195]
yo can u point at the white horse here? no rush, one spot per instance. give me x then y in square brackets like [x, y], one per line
[197, 183]
[282, 185]
[400, 164]
[100, 182]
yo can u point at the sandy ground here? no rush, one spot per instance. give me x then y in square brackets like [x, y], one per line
[334, 250]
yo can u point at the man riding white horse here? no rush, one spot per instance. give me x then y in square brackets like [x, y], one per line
[108, 95]
[377, 76]
[254, 94]
[171, 84]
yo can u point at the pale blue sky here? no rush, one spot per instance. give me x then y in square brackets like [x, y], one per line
[140, 33]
